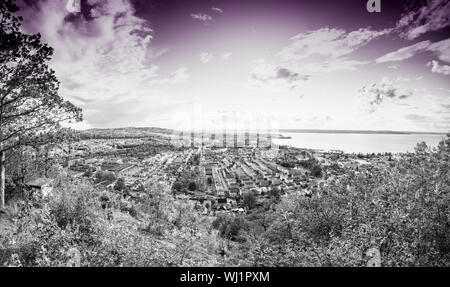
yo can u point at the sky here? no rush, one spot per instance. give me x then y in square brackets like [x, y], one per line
[216, 64]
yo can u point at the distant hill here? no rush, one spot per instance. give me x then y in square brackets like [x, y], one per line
[127, 132]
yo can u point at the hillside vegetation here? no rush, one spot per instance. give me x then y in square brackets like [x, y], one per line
[401, 215]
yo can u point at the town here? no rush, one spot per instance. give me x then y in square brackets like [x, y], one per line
[216, 176]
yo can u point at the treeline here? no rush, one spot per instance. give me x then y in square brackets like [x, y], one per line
[124, 133]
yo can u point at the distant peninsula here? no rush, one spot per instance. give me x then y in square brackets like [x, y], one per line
[319, 131]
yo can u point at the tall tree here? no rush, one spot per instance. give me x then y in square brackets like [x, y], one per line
[29, 100]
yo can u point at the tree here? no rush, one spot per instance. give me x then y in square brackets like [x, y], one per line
[249, 200]
[88, 172]
[29, 100]
[120, 184]
[44, 145]
[192, 186]
[229, 226]
[316, 170]
[177, 186]
[107, 176]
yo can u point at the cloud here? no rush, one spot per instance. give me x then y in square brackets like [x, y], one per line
[394, 66]
[226, 55]
[404, 53]
[441, 49]
[320, 51]
[403, 79]
[326, 50]
[216, 9]
[201, 17]
[179, 76]
[433, 16]
[419, 118]
[205, 57]
[102, 58]
[438, 68]
[370, 98]
[264, 75]
[332, 43]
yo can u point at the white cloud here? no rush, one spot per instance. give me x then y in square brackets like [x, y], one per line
[325, 50]
[308, 54]
[441, 49]
[217, 9]
[205, 57]
[103, 63]
[272, 77]
[433, 16]
[370, 98]
[404, 53]
[394, 66]
[333, 43]
[201, 17]
[438, 68]
[403, 79]
[226, 55]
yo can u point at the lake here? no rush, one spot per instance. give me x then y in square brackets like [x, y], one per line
[356, 143]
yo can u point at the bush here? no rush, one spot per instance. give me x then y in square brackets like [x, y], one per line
[192, 186]
[177, 186]
[120, 184]
[228, 226]
[249, 200]
[316, 170]
[101, 176]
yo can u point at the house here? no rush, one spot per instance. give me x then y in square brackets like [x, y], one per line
[43, 186]
[235, 191]
[263, 183]
[182, 197]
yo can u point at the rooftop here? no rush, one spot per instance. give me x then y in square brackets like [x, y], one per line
[39, 182]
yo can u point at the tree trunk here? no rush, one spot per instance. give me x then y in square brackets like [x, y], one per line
[2, 180]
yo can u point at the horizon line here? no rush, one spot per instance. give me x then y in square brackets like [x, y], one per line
[285, 130]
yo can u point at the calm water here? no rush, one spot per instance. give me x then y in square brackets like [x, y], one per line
[364, 143]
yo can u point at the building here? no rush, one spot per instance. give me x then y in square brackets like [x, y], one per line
[43, 186]
[224, 138]
[247, 138]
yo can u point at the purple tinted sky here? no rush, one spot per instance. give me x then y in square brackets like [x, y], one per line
[302, 64]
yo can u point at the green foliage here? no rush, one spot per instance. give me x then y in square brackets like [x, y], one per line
[316, 170]
[88, 173]
[229, 226]
[107, 176]
[192, 186]
[30, 105]
[178, 186]
[401, 209]
[249, 200]
[49, 232]
[120, 184]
